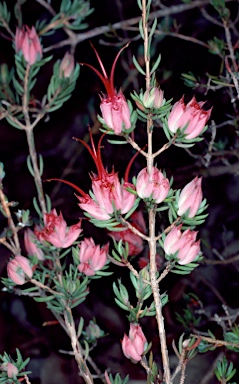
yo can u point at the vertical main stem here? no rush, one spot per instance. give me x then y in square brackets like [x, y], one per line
[37, 176]
[152, 240]
[31, 143]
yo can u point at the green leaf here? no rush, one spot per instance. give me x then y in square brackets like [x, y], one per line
[138, 66]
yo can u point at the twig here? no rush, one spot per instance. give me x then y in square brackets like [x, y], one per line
[176, 9]
[218, 343]
[133, 229]
[15, 247]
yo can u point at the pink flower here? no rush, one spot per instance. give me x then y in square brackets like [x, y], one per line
[191, 115]
[56, 231]
[184, 243]
[108, 192]
[67, 65]
[134, 345]
[135, 242]
[31, 246]
[154, 186]
[92, 257]
[18, 269]
[27, 41]
[114, 108]
[10, 368]
[190, 198]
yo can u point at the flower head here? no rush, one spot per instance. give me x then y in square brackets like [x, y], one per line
[18, 269]
[154, 185]
[92, 257]
[56, 231]
[108, 193]
[190, 198]
[114, 108]
[134, 345]
[190, 115]
[184, 243]
[27, 42]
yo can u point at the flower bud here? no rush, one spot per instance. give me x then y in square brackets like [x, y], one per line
[10, 368]
[18, 268]
[27, 42]
[93, 331]
[154, 186]
[31, 246]
[190, 198]
[135, 344]
[92, 257]
[184, 245]
[153, 98]
[190, 115]
[67, 65]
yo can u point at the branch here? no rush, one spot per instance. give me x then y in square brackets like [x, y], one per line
[176, 9]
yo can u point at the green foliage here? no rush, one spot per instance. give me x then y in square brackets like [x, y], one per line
[71, 15]
[117, 379]
[190, 80]
[233, 337]
[19, 363]
[2, 172]
[6, 77]
[5, 15]
[92, 333]
[220, 7]
[224, 371]
[217, 46]
[190, 319]
[59, 89]
[143, 291]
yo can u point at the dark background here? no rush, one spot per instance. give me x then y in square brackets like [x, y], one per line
[21, 318]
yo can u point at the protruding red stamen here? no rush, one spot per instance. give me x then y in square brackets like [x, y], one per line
[113, 66]
[96, 155]
[100, 61]
[126, 176]
[72, 185]
[108, 82]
